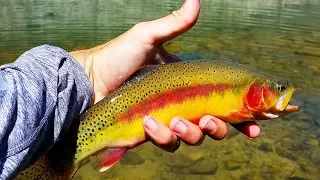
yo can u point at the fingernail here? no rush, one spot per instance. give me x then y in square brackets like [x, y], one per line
[210, 126]
[150, 124]
[180, 127]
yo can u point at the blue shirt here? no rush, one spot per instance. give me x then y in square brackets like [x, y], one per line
[40, 94]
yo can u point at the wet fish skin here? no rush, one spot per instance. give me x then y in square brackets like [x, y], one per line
[189, 89]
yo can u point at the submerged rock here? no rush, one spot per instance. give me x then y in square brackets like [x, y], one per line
[201, 166]
[232, 165]
[302, 124]
[317, 122]
[131, 158]
[232, 132]
[308, 169]
[296, 178]
[315, 157]
[197, 156]
[180, 161]
[267, 147]
[313, 142]
[290, 148]
[291, 143]
[158, 152]
[161, 178]
[267, 175]
[284, 152]
[251, 176]
[235, 162]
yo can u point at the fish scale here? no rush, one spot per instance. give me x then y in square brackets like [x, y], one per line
[188, 70]
[189, 89]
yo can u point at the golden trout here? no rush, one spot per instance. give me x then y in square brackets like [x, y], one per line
[189, 89]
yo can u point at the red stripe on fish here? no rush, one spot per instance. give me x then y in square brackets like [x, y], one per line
[174, 96]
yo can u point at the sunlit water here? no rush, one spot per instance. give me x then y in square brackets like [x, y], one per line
[279, 37]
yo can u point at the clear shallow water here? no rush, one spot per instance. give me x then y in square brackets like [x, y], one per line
[278, 37]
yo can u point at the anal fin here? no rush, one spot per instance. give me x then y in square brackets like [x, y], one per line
[109, 157]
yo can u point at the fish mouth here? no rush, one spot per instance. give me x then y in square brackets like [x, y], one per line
[283, 101]
[282, 107]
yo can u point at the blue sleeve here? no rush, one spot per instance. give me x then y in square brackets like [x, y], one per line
[40, 94]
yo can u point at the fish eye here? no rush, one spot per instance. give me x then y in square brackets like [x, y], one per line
[281, 86]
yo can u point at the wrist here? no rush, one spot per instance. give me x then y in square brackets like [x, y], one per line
[85, 59]
[88, 59]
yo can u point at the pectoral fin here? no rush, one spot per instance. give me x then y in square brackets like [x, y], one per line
[240, 116]
[109, 157]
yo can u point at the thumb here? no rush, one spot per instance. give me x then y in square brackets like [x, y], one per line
[166, 28]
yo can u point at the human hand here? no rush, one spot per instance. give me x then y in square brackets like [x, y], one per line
[168, 139]
[110, 64]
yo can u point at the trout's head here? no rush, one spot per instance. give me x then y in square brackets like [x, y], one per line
[269, 99]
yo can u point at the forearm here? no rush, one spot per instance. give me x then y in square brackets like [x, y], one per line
[42, 92]
[86, 59]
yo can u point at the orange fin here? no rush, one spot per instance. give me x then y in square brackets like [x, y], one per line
[240, 115]
[109, 157]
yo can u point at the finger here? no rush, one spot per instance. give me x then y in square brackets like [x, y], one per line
[213, 127]
[134, 48]
[188, 132]
[250, 129]
[173, 25]
[166, 57]
[161, 135]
